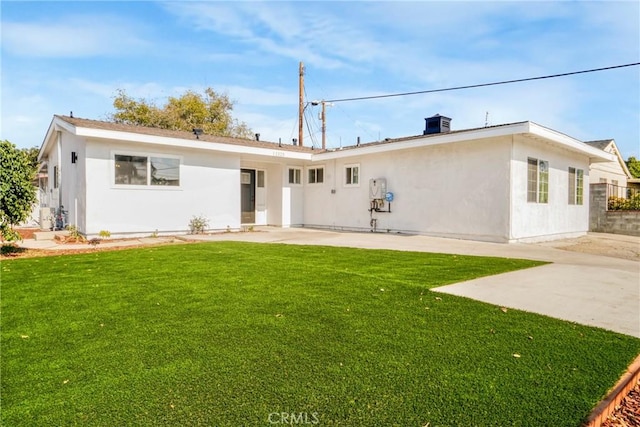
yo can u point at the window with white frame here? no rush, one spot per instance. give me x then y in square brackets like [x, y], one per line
[537, 180]
[351, 175]
[316, 175]
[260, 179]
[146, 170]
[576, 186]
[56, 177]
[295, 176]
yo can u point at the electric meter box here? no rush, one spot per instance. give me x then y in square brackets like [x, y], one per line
[377, 188]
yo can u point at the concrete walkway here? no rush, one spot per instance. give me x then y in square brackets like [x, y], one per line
[589, 289]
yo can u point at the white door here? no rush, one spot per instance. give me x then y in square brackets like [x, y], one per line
[261, 197]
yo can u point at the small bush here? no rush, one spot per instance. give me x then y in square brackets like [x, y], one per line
[105, 234]
[621, 204]
[74, 233]
[198, 225]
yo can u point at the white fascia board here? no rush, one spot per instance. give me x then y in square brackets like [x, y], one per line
[523, 128]
[191, 144]
[595, 155]
[427, 140]
[55, 126]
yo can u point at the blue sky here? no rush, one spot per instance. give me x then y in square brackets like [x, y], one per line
[59, 57]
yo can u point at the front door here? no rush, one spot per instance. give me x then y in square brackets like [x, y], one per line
[248, 195]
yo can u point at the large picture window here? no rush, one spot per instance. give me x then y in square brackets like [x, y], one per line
[537, 181]
[146, 170]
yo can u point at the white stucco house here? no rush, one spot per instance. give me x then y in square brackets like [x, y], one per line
[505, 183]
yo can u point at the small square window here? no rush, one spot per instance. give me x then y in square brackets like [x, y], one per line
[295, 175]
[316, 175]
[352, 174]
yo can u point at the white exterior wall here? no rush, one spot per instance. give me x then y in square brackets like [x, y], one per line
[455, 190]
[293, 197]
[209, 187]
[285, 202]
[274, 195]
[73, 180]
[609, 172]
[557, 218]
[53, 160]
[71, 189]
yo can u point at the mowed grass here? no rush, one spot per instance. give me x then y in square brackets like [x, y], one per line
[229, 334]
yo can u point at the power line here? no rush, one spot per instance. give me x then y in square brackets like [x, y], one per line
[483, 84]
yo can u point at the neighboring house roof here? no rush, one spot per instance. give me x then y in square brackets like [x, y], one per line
[609, 146]
[600, 144]
[117, 131]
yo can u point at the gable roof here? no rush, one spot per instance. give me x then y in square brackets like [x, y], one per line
[601, 144]
[609, 146]
[97, 129]
[527, 128]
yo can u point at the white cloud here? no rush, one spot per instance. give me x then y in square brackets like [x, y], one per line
[264, 97]
[71, 37]
[325, 40]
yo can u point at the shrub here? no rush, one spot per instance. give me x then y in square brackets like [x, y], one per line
[74, 233]
[621, 204]
[105, 234]
[198, 225]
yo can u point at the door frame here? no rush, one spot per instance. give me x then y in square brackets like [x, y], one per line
[248, 217]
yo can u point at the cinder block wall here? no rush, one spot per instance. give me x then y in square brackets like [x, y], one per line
[603, 221]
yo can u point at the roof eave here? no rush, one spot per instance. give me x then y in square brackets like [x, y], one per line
[56, 124]
[427, 140]
[190, 144]
[595, 155]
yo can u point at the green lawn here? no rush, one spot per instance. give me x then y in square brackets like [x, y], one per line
[229, 334]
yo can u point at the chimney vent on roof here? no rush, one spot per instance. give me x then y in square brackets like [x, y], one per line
[437, 124]
[257, 137]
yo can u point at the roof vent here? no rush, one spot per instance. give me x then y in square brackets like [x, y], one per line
[437, 124]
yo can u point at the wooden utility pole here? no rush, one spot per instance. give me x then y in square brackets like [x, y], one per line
[324, 126]
[301, 107]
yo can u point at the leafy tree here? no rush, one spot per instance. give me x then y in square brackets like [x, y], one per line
[210, 112]
[633, 165]
[17, 193]
[32, 155]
